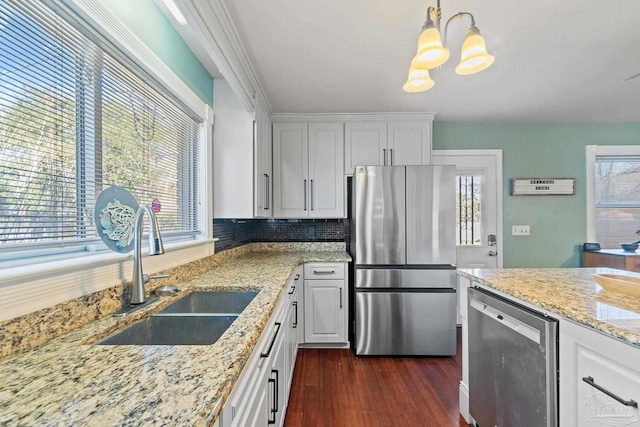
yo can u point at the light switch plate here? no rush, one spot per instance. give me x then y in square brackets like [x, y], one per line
[520, 230]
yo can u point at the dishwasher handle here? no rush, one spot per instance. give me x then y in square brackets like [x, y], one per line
[522, 328]
[592, 383]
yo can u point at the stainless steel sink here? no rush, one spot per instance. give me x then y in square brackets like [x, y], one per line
[173, 330]
[228, 302]
[199, 318]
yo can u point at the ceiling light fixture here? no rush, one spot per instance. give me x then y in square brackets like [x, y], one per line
[432, 52]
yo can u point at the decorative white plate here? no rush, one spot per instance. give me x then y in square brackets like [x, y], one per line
[114, 215]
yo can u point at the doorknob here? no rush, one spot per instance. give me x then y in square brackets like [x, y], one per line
[493, 253]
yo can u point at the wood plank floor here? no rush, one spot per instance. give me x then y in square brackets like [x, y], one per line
[332, 388]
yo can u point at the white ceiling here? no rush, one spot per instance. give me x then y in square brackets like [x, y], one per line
[556, 61]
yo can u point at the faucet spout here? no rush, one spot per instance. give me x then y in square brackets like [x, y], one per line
[138, 294]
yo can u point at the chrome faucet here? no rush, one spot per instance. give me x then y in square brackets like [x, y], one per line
[138, 294]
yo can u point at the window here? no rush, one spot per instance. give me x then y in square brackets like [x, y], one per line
[468, 222]
[75, 118]
[617, 199]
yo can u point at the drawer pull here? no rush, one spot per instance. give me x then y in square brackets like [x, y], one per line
[324, 271]
[293, 289]
[273, 341]
[591, 382]
[296, 278]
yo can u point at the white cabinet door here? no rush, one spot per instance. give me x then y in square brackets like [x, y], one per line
[326, 163]
[409, 143]
[290, 170]
[324, 311]
[365, 144]
[263, 177]
[599, 379]
[308, 160]
[232, 155]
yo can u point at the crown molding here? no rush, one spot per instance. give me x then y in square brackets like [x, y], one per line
[354, 117]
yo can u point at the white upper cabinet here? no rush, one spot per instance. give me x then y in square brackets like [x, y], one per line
[307, 170]
[383, 143]
[291, 170]
[408, 143]
[326, 180]
[263, 178]
[365, 144]
[242, 168]
[232, 152]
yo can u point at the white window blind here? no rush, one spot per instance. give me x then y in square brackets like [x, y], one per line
[75, 118]
[617, 184]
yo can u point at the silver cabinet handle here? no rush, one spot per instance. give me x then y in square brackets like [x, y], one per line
[305, 194]
[391, 156]
[311, 198]
[384, 156]
[268, 192]
[592, 383]
[340, 298]
[324, 271]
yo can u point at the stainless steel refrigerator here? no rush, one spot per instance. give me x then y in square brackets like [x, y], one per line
[403, 242]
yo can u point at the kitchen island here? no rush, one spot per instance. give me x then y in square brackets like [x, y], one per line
[71, 381]
[599, 337]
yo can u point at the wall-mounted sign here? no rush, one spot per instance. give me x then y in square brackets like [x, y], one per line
[543, 186]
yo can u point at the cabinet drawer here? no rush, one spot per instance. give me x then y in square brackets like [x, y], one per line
[599, 407]
[321, 270]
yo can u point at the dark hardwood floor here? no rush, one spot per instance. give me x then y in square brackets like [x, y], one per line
[333, 388]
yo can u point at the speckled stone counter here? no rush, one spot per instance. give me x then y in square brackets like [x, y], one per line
[572, 293]
[70, 381]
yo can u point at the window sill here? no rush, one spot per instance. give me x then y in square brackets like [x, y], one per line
[28, 288]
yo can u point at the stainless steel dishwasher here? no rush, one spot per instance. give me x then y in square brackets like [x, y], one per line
[513, 364]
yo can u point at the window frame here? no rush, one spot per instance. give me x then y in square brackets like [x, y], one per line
[55, 278]
[593, 151]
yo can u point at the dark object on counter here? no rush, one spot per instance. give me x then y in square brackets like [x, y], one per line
[629, 247]
[591, 247]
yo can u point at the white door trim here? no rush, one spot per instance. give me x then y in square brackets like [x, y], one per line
[499, 194]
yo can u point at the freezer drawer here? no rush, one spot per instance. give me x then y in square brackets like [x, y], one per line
[406, 323]
[405, 278]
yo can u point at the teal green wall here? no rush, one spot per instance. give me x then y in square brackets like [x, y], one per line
[558, 223]
[148, 22]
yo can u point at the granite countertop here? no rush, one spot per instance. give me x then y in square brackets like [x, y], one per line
[70, 381]
[571, 293]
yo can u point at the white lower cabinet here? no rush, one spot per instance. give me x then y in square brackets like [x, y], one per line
[599, 379]
[294, 323]
[261, 394]
[325, 303]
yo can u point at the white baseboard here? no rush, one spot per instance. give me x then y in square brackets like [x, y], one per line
[464, 403]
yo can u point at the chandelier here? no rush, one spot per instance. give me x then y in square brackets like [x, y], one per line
[432, 53]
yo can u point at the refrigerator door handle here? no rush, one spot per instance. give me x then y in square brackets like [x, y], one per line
[391, 156]
[384, 157]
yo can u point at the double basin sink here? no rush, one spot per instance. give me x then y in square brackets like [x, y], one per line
[198, 318]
